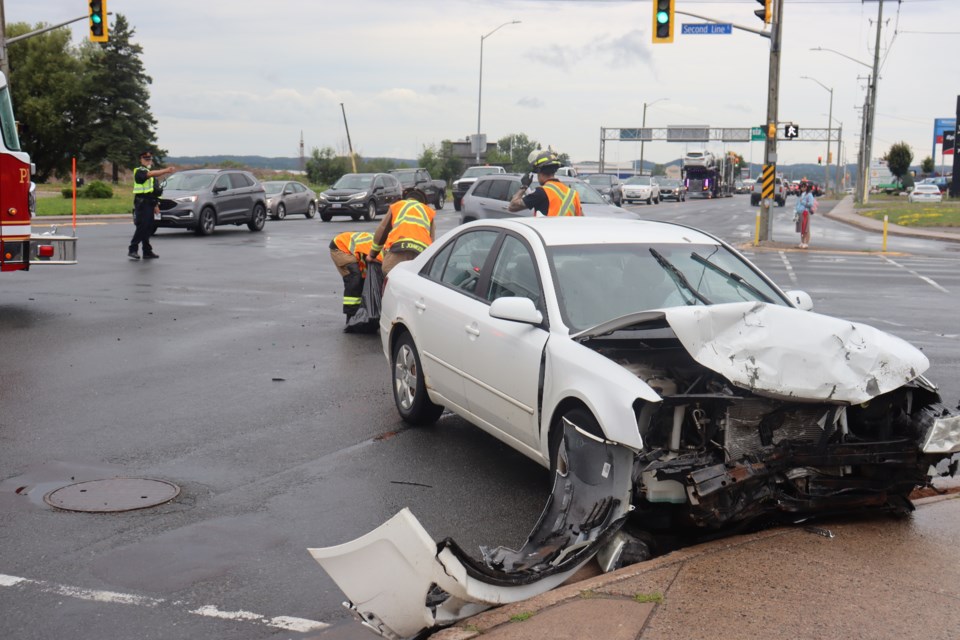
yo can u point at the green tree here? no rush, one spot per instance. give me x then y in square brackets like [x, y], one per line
[898, 159]
[512, 152]
[928, 165]
[441, 163]
[118, 124]
[45, 83]
[376, 165]
[325, 167]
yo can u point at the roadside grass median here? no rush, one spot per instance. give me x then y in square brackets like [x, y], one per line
[917, 214]
[51, 202]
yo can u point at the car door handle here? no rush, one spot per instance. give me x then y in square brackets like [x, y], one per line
[420, 305]
[472, 329]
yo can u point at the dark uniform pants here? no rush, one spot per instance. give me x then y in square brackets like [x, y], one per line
[144, 223]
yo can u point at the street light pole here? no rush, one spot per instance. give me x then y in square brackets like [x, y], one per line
[644, 126]
[480, 90]
[826, 160]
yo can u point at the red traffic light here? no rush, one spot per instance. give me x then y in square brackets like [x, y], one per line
[819, 159]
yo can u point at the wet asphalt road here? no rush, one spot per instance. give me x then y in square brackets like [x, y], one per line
[222, 367]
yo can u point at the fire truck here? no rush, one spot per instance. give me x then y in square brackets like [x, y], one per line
[19, 248]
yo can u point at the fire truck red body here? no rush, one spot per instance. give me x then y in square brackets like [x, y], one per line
[19, 248]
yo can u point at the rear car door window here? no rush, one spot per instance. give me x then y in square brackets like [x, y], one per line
[499, 189]
[482, 188]
[239, 181]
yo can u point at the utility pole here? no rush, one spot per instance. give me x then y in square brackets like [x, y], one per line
[353, 159]
[868, 143]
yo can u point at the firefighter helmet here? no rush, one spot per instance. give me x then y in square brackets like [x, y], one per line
[545, 160]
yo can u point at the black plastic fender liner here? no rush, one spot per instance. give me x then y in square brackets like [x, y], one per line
[588, 505]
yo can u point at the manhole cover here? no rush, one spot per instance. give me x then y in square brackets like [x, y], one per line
[115, 494]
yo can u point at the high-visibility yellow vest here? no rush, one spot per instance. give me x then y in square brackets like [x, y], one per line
[144, 188]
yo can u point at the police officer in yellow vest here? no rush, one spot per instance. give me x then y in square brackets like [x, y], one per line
[146, 192]
[406, 230]
[552, 197]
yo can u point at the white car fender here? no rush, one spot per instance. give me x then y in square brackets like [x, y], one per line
[606, 388]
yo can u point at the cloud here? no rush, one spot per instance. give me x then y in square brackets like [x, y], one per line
[625, 50]
[530, 103]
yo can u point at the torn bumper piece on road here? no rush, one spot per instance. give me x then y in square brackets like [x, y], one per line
[400, 581]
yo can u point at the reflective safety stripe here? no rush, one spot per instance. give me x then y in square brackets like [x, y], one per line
[410, 224]
[351, 300]
[142, 188]
[566, 200]
[417, 216]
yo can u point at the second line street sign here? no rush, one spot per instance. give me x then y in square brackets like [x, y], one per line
[706, 28]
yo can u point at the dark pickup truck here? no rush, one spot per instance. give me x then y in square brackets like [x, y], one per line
[433, 191]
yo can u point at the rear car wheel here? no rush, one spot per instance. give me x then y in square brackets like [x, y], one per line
[355, 216]
[457, 203]
[650, 199]
[311, 209]
[326, 217]
[281, 212]
[441, 199]
[206, 222]
[371, 211]
[409, 387]
[258, 218]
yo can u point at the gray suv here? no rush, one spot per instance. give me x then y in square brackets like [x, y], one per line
[200, 199]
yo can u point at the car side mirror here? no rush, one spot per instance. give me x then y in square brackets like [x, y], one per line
[516, 309]
[219, 189]
[800, 299]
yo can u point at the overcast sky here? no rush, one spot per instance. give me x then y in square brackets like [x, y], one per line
[244, 77]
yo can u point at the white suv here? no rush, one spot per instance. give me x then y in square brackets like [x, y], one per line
[640, 189]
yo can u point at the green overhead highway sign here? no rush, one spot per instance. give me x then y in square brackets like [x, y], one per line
[756, 133]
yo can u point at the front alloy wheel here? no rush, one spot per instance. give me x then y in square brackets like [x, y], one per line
[409, 388]
[281, 211]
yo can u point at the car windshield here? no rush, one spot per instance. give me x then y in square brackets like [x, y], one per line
[588, 195]
[354, 181]
[599, 179]
[600, 282]
[670, 183]
[475, 172]
[638, 180]
[406, 178]
[273, 188]
[185, 181]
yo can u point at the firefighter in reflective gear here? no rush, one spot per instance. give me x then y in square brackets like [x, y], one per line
[146, 205]
[406, 230]
[552, 197]
[348, 251]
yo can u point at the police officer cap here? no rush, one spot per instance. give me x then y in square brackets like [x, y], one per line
[147, 154]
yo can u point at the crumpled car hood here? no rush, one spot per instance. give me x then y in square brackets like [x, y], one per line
[785, 353]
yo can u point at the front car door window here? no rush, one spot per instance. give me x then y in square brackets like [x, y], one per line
[465, 266]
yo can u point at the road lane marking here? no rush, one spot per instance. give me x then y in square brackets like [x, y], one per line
[911, 271]
[287, 623]
[788, 267]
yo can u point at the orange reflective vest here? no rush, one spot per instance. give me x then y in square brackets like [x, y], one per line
[357, 244]
[564, 201]
[410, 223]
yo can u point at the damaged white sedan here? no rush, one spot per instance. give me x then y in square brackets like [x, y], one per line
[668, 383]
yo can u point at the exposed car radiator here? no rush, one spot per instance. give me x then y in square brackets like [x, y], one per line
[755, 422]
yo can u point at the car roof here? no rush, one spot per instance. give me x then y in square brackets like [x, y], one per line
[565, 231]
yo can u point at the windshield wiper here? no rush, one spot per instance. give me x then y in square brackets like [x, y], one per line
[678, 276]
[732, 277]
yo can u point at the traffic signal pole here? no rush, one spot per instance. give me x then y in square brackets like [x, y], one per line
[773, 103]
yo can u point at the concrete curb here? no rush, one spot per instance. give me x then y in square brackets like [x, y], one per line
[844, 212]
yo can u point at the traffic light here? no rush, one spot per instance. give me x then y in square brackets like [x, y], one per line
[764, 14]
[772, 130]
[819, 159]
[662, 21]
[98, 21]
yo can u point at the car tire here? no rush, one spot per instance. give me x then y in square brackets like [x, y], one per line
[356, 216]
[409, 387]
[441, 199]
[258, 218]
[281, 212]
[457, 204]
[326, 217]
[658, 200]
[206, 222]
[311, 210]
[371, 213]
[649, 199]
